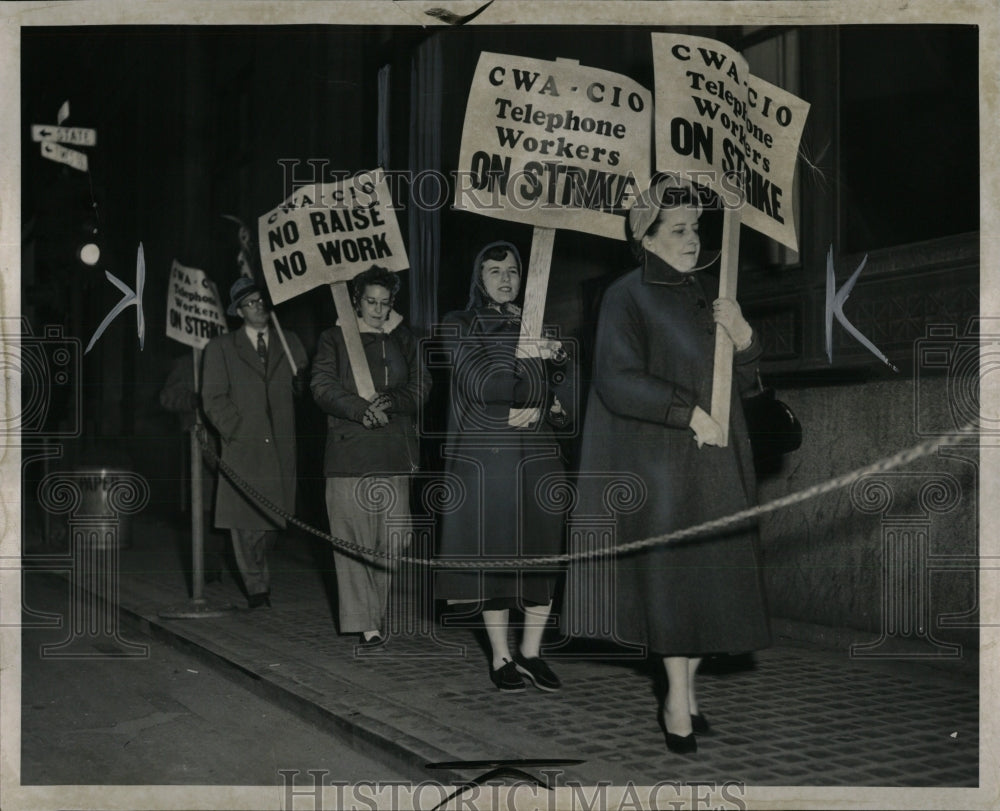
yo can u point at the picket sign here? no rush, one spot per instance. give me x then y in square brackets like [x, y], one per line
[352, 340]
[246, 261]
[754, 141]
[302, 247]
[722, 379]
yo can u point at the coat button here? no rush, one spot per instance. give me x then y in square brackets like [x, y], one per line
[266, 440]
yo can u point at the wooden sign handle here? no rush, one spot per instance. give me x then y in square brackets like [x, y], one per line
[197, 495]
[722, 380]
[535, 291]
[284, 342]
[352, 339]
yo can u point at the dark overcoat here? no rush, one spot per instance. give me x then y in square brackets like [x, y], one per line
[511, 476]
[252, 408]
[654, 357]
[351, 449]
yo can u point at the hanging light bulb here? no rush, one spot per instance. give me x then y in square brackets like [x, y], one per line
[90, 251]
[90, 254]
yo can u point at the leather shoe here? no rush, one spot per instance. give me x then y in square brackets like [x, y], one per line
[507, 678]
[372, 642]
[682, 744]
[679, 744]
[541, 674]
[258, 600]
[700, 725]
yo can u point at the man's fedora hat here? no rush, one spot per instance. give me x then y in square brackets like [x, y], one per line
[241, 288]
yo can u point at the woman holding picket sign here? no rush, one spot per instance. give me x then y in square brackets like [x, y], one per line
[648, 415]
[501, 445]
[371, 446]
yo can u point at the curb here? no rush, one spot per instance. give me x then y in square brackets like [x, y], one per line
[372, 737]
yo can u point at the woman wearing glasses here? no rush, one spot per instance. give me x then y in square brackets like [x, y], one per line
[371, 446]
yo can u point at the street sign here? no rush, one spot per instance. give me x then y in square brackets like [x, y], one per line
[78, 136]
[57, 152]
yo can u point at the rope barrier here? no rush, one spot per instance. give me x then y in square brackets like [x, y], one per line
[899, 459]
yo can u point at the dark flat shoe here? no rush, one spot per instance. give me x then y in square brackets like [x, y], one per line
[541, 674]
[700, 725]
[258, 600]
[374, 642]
[507, 678]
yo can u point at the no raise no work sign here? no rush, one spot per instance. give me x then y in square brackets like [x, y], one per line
[326, 233]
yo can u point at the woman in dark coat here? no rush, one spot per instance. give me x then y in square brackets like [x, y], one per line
[371, 446]
[648, 415]
[502, 447]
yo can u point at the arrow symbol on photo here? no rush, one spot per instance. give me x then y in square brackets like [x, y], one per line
[129, 299]
[835, 300]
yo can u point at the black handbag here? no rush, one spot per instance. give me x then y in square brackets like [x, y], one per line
[773, 427]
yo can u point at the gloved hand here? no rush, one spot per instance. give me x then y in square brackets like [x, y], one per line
[201, 433]
[300, 383]
[706, 430]
[383, 402]
[727, 312]
[374, 417]
[557, 415]
[550, 349]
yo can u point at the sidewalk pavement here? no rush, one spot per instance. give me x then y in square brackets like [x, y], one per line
[794, 714]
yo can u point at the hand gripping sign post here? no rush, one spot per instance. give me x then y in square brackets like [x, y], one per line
[720, 126]
[553, 145]
[327, 233]
[194, 316]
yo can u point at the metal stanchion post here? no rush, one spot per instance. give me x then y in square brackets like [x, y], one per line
[197, 607]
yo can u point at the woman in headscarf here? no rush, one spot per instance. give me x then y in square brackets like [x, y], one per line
[503, 408]
[648, 415]
[371, 445]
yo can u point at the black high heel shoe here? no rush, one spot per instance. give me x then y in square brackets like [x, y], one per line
[679, 744]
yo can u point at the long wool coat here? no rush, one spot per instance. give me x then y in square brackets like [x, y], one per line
[251, 406]
[511, 476]
[351, 449]
[653, 363]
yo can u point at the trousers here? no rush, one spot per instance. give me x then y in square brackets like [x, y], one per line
[363, 584]
[251, 548]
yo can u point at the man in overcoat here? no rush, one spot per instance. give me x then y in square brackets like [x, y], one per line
[247, 394]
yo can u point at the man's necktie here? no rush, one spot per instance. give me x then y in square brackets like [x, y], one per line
[262, 348]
